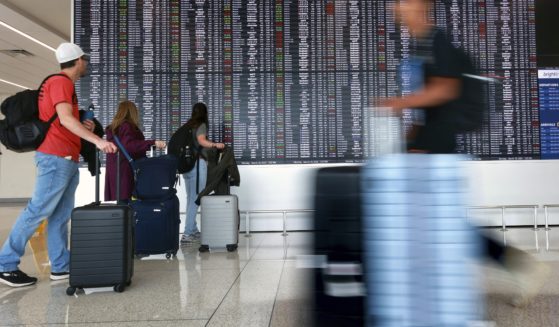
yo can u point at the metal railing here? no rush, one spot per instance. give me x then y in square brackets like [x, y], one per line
[284, 212]
[503, 209]
[513, 206]
[545, 207]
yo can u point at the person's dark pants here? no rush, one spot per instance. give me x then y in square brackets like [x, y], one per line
[493, 249]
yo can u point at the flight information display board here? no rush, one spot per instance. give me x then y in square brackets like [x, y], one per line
[291, 81]
[549, 111]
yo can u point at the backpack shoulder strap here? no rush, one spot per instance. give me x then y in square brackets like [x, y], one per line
[55, 115]
[47, 78]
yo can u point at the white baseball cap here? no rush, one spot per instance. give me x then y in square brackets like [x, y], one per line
[68, 52]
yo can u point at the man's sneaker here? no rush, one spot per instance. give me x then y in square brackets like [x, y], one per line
[59, 275]
[16, 278]
[189, 239]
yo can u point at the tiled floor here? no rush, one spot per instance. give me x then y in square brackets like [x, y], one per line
[543, 311]
[258, 285]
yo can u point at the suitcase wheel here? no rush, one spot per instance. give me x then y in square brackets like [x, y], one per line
[119, 288]
[204, 248]
[70, 291]
[168, 255]
[128, 283]
[231, 247]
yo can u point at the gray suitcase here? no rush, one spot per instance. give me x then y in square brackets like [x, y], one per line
[219, 222]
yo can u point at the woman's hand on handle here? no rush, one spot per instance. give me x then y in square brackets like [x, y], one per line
[219, 146]
[160, 144]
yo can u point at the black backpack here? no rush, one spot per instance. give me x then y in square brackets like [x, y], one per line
[471, 108]
[183, 146]
[21, 130]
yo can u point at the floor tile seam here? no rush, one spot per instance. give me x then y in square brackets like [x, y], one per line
[227, 293]
[238, 278]
[258, 245]
[162, 270]
[107, 322]
[250, 258]
[205, 269]
[276, 296]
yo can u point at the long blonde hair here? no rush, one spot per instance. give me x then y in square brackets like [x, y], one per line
[127, 112]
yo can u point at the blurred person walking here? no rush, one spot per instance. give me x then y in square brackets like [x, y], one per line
[439, 99]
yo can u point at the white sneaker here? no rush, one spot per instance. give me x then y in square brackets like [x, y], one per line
[59, 276]
[530, 281]
[189, 239]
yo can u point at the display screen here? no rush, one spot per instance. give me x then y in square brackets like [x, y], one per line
[292, 81]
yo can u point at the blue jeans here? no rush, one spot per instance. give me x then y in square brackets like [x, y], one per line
[53, 199]
[191, 195]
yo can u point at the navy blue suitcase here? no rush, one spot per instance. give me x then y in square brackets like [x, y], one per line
[157, 226]
[155, 177]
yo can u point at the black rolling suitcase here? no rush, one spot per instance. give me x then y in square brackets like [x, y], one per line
[101, 244]
[338, 282]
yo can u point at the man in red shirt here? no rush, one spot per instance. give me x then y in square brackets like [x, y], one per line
[57, 172]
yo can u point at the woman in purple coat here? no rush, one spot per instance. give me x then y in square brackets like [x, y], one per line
[125, 126]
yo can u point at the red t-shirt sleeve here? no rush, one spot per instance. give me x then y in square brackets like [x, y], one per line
[62, 92]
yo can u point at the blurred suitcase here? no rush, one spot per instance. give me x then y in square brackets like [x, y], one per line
[101, 244]
[338, 285]
[219, 222]
[419, 247]
[157, 226]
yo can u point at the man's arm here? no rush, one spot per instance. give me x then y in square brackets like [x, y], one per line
[437, 91]
[64, 111]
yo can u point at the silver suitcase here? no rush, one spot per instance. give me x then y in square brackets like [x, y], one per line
[219, 222]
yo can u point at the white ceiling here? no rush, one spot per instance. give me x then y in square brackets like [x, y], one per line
[49, 21]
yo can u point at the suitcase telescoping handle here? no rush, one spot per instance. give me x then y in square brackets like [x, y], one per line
[127, 155]
[97, 173]
[152, 151]
[130, 160]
